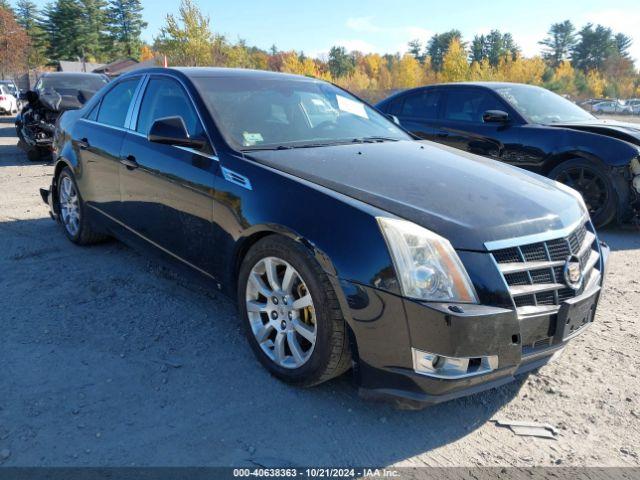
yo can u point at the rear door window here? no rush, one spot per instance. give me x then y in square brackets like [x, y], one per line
[115, 104]
[422, 105]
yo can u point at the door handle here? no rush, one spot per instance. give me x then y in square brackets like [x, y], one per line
[442, 134]
[83, 144]
[129, 162]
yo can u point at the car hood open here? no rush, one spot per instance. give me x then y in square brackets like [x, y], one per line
[468, 199]
[629, 132]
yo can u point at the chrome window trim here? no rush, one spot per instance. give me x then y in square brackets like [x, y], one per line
[536, 237]
[132, 114]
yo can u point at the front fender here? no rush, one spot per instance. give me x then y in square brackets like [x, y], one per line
[342, 233]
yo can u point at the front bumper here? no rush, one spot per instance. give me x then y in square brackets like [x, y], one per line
[385, 369]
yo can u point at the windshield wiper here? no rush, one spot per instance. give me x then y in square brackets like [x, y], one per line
[374, 139]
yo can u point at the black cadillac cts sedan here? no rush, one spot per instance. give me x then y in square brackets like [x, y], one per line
[432, 272]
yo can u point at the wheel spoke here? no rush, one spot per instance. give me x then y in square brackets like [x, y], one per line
[287, 280]
[294, 346]
[278, 347]
[302, 302]
[272, 273]
[254, 306]
[259, 285]
[263, 332]
[304, 330]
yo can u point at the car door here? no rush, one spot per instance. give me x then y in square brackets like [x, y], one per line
[167, 191]
[462, 126]
[97, 139]
[418, 111]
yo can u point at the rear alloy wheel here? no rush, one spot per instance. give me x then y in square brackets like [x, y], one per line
[73, 215]
[291, 314]
[594, 184]
[69, 206]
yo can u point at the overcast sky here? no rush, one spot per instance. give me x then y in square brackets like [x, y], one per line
[386, 26]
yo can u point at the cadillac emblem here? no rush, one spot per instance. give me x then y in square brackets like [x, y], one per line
[573, 273]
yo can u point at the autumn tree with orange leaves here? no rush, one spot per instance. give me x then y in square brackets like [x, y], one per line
[14, 45]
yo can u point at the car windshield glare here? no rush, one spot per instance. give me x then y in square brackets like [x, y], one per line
[538, 105]
[263, 113]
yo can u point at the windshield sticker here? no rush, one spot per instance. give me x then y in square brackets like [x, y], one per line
[347, 105]
[252, 138]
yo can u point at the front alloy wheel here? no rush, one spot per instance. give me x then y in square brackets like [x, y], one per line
[291, 314]
[281, 312]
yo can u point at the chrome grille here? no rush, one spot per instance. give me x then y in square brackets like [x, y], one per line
[534, 272]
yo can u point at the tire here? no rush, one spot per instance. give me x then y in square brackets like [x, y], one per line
[595, 185]
[84, 233]
[329, 356]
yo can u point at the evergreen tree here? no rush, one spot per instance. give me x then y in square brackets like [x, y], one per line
[63, 27]
[438, 46]
[340, 62]
[415, 50]
[559, 43]
[94, 37]
[493, 47]
[593, 48]
[125, 26]
[623, 44]
[29, 18]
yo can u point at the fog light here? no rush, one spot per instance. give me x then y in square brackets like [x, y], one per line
[440, 366]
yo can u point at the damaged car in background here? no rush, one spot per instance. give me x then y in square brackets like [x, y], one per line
[54, 94]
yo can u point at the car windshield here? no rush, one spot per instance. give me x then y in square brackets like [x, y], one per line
[71, 84]
[10, 88]
[538, 105]
[258, 113]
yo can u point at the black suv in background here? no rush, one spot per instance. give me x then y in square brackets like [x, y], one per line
[532, 128]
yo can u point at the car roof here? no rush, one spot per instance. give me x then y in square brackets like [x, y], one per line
[199, 72]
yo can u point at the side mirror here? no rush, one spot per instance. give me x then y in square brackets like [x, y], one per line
[393, 118]
[30, 96]
[495, 116]
[173, 131]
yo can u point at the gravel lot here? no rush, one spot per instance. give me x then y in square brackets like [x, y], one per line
[107, 358]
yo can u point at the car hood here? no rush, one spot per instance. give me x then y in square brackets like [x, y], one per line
[465, 198]
[629, 132]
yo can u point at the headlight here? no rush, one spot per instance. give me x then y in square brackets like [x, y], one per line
[635, 166]
[427, 266]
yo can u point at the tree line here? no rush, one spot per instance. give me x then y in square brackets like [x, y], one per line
[89, 30]
[592, 61]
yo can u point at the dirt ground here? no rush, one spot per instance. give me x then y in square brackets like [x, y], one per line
[108, 359]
